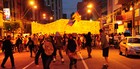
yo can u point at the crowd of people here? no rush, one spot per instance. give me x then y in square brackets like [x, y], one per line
[71, 43]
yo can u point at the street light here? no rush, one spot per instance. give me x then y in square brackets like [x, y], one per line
[88, 11]
[89, 6]
[44, 16]
[34, 7]
[51, 18]
[31, 3]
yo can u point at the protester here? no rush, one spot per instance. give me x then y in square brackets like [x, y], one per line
[19, 44]
[25, 40]
[58, 40]
[105, 46]
[8, 51]
[46, 51]
[30, 45]
[71, 52]
[79, 43]
[36, 42]
[88, 44]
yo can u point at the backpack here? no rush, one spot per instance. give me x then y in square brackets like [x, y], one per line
[48, 48]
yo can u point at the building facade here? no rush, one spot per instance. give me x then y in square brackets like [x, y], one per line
[123, 15]
[22, 12]
[56, 7]
[98, 10]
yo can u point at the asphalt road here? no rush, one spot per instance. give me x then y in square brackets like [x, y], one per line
[116, 61]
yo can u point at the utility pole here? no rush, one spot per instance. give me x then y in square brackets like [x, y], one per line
[133, 18]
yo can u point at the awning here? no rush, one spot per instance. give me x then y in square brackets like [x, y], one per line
[123, 1]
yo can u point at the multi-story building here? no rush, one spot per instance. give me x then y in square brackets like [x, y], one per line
[99, 9]
[131, 12]
[56, 7]
[21, 11]
[113, 16]
[123, 15]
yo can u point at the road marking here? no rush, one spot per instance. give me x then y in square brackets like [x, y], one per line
[28, 65]
[85, 65]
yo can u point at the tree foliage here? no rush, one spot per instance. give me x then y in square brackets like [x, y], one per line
[11, 26]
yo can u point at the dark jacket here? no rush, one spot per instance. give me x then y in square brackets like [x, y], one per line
[7, 46]
[30, 43]
[71, 45]
[88, 39]
[18, 42]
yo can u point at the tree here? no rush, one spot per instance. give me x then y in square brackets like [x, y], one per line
[11, 26]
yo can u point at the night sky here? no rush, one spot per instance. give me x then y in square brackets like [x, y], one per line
[69, 6]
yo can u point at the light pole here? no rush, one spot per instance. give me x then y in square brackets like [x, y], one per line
[89, 9]
[133, 19]
[34, 7]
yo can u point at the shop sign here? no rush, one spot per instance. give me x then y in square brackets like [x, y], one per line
[6, 13]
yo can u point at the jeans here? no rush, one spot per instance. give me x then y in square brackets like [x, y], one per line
[46, 62]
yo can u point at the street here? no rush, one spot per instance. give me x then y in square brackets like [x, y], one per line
[116, 61]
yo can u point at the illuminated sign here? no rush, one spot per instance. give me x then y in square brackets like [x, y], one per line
[6, 14]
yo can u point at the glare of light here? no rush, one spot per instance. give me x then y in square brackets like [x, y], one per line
[131, 8]
[89, 11]
[32, 2]
[51, 18]
[44, 14]
[89, 6]
[119, 22]
[91, 20]
[44, 17]
[35, 6]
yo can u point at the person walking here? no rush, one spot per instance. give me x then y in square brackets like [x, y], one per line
[46, 50]
[36, 42]
[71, 52]
[30, 44]
[105, 46]
[58, 41]
[88, 44]
[8, 51]
[19, 44]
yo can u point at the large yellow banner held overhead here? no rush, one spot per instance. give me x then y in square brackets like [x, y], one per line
[81, 27]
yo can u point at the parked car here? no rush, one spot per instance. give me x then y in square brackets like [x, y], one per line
[130, 46]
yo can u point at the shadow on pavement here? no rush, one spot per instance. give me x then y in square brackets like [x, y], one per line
[134, 57]
[104, 67]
